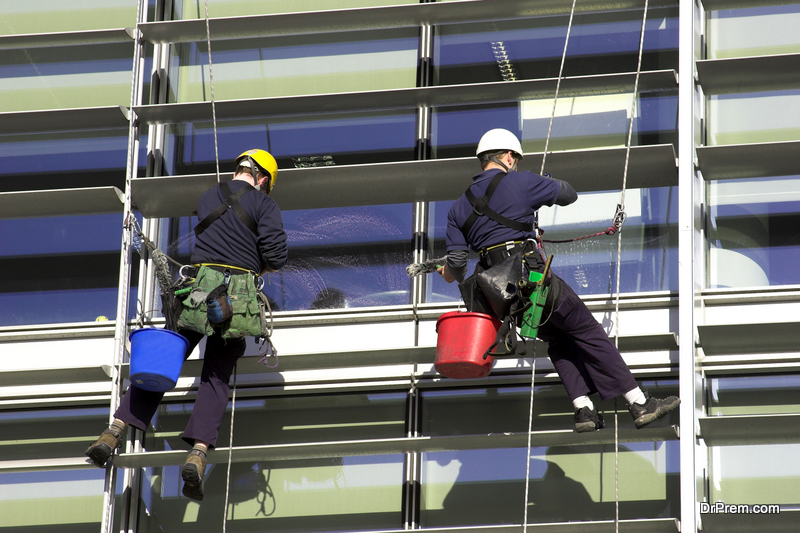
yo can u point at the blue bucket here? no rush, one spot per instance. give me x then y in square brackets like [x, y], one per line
[156, 358]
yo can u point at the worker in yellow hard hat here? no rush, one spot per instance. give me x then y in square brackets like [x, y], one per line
[239, 237]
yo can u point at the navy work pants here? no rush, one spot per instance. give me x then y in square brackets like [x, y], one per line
[584, 356]
[138, 405]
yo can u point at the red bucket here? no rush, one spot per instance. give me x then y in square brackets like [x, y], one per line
[463, 339]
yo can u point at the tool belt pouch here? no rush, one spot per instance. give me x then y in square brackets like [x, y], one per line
[499, 283]
[473, 297]
[246, 316]
[218, 305]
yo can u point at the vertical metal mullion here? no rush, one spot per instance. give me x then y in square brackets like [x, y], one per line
[411, 488]
[126, 255]
[691, 261]
[422, 151]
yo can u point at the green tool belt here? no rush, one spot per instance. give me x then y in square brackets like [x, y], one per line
[247, 301]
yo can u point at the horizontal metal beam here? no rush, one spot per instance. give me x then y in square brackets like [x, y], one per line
[373, 18]
[57, 120]
[315, 450]
[639, 525]
[75, 38]
[749, 74]
[736, 430]
[732, 339]
[60, 202]
[51, 376]
[412, 181]
[748, 160]
[410, 98]
[784, 522]
[715, 5]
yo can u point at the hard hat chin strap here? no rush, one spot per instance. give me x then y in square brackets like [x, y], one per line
[513, 168]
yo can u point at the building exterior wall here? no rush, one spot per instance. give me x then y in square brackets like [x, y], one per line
[114, 116]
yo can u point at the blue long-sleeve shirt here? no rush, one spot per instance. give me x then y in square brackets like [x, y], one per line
[229, 242]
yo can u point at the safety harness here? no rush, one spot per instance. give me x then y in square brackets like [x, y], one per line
[231, 201]
[480, 207]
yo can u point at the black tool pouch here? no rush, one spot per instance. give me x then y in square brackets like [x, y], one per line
[219, 305]
[473, 297]
[499, 284]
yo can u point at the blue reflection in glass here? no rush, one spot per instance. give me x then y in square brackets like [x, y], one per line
[649, 254]
[348, 140]
[347, 257]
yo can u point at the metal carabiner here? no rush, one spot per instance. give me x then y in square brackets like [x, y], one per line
[260, 283]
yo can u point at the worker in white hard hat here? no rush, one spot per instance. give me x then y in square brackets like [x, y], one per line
[496, 217]
[239, 237]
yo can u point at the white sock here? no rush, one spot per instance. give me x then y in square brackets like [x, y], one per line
[635, 396]
[582, 401]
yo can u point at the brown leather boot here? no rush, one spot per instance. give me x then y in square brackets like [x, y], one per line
[104, 446]
[193, 472]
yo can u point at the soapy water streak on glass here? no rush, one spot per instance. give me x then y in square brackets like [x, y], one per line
[347, 257]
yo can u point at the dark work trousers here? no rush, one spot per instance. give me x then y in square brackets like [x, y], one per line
[584, 356]
[138, 406]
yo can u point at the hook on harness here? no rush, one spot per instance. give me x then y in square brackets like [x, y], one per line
[618, 220]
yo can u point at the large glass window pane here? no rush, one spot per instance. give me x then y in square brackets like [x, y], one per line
[566, 483]
[753, 395]
[184, 9]
[761, 473]
[295, 142]
[579, 123]
[53, 499]
[752, 232]
[345, 493]
[524, 49]
[49, 16]
[345, 257]
[753, 117]
[757, 31]
[61, 268]
[66, 77]
[295, 65]
[649, 243]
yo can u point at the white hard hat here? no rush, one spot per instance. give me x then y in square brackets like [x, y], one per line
[499, 139]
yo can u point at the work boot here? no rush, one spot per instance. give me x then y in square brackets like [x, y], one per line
[104, 446]
[652, 409]
[588, 420]
[192, 472]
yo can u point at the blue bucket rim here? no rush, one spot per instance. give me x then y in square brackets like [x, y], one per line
[185, 340]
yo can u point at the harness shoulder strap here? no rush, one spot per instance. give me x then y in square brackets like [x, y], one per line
[480, 207]
[231, 202]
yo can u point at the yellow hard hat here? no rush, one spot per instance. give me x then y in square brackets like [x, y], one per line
[264, 160]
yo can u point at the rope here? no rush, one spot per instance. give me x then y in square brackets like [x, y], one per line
[558, 86]
[216, 161]
[621, 207]
[230, 457]
[528, 455]
[211, 83]
[533, 358]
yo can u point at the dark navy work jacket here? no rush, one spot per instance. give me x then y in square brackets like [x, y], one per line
[517, 197]
[229, 242]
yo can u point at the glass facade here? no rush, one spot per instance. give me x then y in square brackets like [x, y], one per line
[373, 109]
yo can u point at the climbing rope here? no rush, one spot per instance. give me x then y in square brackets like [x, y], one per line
[533, 357]
[211, 85]
[230, 456]
[216, 161]
[621, 207]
